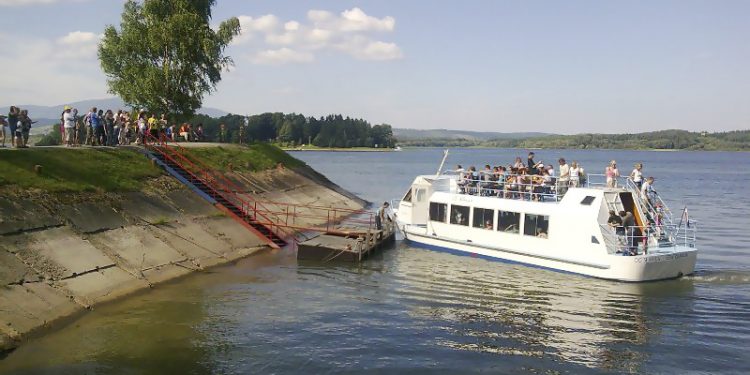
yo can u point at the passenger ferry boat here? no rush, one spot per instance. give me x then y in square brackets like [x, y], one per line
[549, 226]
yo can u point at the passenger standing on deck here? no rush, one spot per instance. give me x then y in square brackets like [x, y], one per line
[637, 175]
[531, 164]
[612, 174]
[648, 192]
[381, 216]
[575, 175]
[564, 180]
[632, 232]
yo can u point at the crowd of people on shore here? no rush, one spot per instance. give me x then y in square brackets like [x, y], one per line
[110, 128]
[538, 181]
[100, 127]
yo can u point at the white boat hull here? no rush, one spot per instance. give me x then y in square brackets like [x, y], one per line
[656, 265]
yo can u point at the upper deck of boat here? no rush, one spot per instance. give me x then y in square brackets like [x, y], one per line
[523, 187]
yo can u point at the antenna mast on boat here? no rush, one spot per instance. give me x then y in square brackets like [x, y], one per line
[440, 168]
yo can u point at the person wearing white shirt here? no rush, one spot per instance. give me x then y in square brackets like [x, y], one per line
[637, 175]
[575, 172]
[564, 180]
[69, 124]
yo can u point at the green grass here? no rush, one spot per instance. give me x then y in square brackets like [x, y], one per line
[254, 157]
[89, 169]
[79, 169]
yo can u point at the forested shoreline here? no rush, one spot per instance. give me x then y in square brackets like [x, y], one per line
[661, 140]
[293, 129]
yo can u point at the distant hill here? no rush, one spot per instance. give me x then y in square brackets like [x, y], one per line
[414, 134]
[47, 115]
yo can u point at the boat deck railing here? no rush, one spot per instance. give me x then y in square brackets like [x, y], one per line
[531, 187]
[638, 240]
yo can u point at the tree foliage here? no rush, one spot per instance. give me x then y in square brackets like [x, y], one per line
[166, 57]
[294, 129]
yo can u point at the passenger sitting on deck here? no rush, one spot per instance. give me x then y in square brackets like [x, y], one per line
[381, 216]
[615, 222]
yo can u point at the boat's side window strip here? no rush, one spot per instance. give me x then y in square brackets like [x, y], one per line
[421, 194]
[483, 218]
[536, 225]
[407, 197]
[438, 211]
[459, 215]
[508, 222]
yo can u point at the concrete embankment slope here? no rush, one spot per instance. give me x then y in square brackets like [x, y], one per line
[101, 224]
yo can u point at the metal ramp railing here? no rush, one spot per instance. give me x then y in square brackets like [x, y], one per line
[278, 222]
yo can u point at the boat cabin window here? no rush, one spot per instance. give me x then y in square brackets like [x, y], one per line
[407, 197]
[536, 225]
[460, 215]
[483, 218]
[437, 211]
[588, 200]
[508, 222]
[420, 194]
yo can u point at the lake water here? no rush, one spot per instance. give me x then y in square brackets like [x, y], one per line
[415, 310]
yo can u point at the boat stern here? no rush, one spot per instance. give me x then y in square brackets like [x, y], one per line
[654, 266]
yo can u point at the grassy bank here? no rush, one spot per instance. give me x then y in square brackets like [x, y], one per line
[79, 169]
[119, 169]
[255, 157]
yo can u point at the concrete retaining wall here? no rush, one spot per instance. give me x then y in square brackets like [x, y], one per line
[60, 255]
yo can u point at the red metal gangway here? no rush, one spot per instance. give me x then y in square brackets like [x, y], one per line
[276, 221]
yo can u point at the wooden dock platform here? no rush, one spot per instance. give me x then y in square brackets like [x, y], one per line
[354, 247]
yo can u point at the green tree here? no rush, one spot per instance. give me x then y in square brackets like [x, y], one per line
[166, 56]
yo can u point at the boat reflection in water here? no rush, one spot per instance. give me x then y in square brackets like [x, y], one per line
[510, 309]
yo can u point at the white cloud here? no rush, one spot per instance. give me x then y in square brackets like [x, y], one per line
[79, 45]
[20, 3]
[79, 37]
[319, 16]
[282, 56]
[349, 32]
[356, 20]
[379, 51]
[249, 26]
[50, 70]
[291, 26]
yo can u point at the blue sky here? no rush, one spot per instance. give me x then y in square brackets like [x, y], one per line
[552, 66]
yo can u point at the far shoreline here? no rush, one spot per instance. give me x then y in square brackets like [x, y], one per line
[340, 149]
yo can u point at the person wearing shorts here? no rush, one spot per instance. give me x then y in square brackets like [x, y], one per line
[13, 124]
[69, 126]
